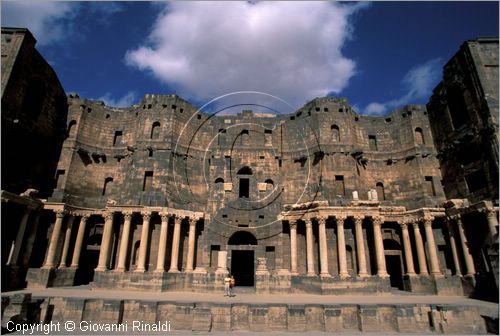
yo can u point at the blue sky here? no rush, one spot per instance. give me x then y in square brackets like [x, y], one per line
[379, 55]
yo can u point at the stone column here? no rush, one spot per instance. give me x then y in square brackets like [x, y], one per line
[162, 244]
[124, 243]
[175, 246]
[431, 245]
[54, 240]
[491, 215]
[341, 246]
[293, 247]
[31, 240]
[309, 247]
[143, 247]
[360, 245]
[221, 262]
[453, 246]
[323, 249]
[103, 262]
[410, 269]
[422, 262]
[191, 241]
[469, 262]
[67, 238]
[79, 241]
[379, 247]
[16, 246]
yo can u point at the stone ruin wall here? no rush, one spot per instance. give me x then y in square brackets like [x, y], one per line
[305, 158]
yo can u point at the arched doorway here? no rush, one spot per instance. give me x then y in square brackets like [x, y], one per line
[242, 257]
[394, 263]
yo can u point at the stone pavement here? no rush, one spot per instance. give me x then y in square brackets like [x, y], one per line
[244, 296]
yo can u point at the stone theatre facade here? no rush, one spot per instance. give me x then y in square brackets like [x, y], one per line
[162, 196]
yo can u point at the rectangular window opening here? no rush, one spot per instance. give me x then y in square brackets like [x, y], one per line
[339, 185]
[117, 140]
[148, 181]
[372, 141]
[59, 178]
[244, 188]
[429, 186]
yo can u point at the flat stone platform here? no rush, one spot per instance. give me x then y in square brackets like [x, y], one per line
[247, 312]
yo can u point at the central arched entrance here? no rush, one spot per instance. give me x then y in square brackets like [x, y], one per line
[242, 245]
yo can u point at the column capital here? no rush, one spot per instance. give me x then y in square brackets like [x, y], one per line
[164, 216]
[308, 221]
[127, 215]
[377, 220]
[292, 223]
[490, 212]
[340, 219]
[178, 219]
[427, 220]
[84, 217]
[146, 215]
[358, 218]
[403, 225]
[192, 220]
[321, 220]
[60, 213]
[108, 215]
[456, 217]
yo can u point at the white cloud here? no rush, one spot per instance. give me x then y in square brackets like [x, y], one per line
[47, 21]
[418, 83]
[375, 108]
[53, 21]
[289, 49]
[126, 101]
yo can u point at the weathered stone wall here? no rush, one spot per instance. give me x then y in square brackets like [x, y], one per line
[34, 109]
[195, 159]
[205, 317]
[464, 119]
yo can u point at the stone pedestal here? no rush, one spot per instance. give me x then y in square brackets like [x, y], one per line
[222, 263]
[200, 280]
[40, 277]
[64, 277]
[419, 284]
[280, 282]
[262, 276]
[449, 286]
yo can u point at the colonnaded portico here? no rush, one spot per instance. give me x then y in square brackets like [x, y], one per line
[364, 247]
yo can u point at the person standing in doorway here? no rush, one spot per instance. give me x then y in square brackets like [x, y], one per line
[232, 282]
[227, 285]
